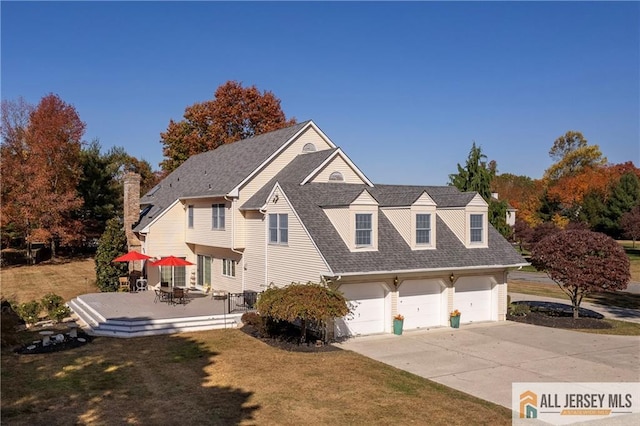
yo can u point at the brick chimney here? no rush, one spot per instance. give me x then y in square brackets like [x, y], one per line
[131, 209]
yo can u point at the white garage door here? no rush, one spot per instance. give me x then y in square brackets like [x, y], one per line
[473, 299]
[368, 314]
[420, 301]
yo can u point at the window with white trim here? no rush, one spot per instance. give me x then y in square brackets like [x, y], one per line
[228, 268]
[475, 228]
[278, 228]
[217, 216]
[364, 229]
[423, 229]
[190, 216]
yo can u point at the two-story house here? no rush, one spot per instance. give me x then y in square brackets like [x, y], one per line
[290, 206]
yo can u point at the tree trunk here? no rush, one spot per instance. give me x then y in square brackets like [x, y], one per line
[303, 331]
[576, 312]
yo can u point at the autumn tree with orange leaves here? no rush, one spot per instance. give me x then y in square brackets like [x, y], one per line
[41, 169]
[233, 114]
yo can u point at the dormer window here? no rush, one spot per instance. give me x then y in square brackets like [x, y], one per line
[363, 229]
[336, 177]
[423, 229]
[476, 228]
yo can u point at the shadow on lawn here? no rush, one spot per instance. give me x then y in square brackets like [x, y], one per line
[615, 300]
[151, 380]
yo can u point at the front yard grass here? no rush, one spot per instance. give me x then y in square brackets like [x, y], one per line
[618, 328]
[223, 377]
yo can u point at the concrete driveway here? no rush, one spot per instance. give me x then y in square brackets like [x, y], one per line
[485, 359]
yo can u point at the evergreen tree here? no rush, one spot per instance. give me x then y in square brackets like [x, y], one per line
[113, 243]
[624, 196]
[476, 176]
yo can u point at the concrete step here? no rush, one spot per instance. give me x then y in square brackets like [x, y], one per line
[96, 325]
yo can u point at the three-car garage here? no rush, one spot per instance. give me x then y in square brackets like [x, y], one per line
[424, 303]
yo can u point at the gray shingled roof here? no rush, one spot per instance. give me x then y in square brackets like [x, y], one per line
[214, 173]
[393, 253]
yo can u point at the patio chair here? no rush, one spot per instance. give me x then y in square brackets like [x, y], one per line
[179, 296]
[124, 284]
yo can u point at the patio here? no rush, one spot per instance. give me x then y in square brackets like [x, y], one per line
[139, 314]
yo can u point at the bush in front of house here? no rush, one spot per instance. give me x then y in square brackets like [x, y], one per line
[519, 309]
[311, 302]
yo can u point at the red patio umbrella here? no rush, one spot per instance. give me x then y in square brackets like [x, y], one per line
[171, 261]
[132, 255]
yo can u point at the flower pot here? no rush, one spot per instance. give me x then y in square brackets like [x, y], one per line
[455, 321]
[397, 326]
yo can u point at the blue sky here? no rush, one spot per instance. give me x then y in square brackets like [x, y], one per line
[403, 88]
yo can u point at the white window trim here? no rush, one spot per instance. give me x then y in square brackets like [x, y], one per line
[226, 265]
[485, 231]
[374, 234]
[278, 229]
[431, 211]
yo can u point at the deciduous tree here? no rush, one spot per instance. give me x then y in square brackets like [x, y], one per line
[41, 170]
[304, 302]
[630, 223]
[582, 262]
[233, 114]
[571, 153]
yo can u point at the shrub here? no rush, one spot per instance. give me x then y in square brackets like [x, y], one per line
[9, 320]
[251, 318]
[55, 307]
[29, 311]
[519, 310]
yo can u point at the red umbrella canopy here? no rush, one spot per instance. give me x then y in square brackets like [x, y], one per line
[172, 261]
[132, 255]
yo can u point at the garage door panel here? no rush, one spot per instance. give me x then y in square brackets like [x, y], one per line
[420, 302]
[473, 298]
[368, 310]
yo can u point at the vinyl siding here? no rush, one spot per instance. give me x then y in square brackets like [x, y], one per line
[166, 238]
[455, 220]
[338, 164]
[254, 254]
[297, 261]
[401, 220]
[339, 218]
[272, 169]
[219, 281]
[202, 232]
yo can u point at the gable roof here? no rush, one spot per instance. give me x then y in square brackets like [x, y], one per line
[215, 173]
[294, 172]
[393, 253]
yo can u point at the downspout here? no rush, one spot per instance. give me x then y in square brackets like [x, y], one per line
[266, 246]
[233, 236]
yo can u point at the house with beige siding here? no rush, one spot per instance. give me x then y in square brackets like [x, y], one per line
[290, 206]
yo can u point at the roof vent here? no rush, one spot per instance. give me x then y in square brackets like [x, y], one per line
[336, 177]
[308, 147]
